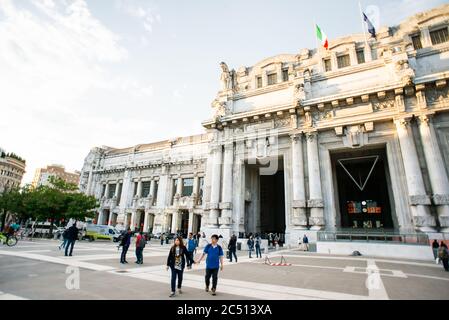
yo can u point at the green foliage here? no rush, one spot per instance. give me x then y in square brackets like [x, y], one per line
[57, 201]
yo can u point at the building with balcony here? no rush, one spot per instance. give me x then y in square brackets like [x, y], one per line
[12, 169]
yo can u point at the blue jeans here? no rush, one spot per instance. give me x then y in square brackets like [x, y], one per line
[232, 252]
[189, 258]
[175, 273]
[139, 254]
[124, 251]
[63, 244]
[70, 243]
[258, 252]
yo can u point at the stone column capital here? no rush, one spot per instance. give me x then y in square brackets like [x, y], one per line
[311, 135]
[295, 137]
[402, 122]
[425, 119]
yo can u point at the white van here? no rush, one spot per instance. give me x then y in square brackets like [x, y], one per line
[95, 231]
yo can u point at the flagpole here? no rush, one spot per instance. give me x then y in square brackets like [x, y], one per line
[363, 25]
[316, 39]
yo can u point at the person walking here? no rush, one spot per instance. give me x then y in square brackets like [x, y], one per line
[191, 246]
[435, 247]
[257, 243]
[72, 236]
[250, 244]
[140, 245]
[162, 239]
[214, 262]
[176, 261]
[305, 241]
[125, 243]
[443, 254]
[64, 239]
[232, 247]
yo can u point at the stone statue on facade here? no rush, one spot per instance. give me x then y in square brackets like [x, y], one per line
[220, 109]
[226, 77]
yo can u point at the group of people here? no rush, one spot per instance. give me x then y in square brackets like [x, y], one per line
[441, 253]
[179, 256]
[69, 236]
[254, 242]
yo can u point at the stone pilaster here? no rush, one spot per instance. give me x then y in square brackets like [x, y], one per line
[315, 202]
[215, 187]
[226, 204]
[299, 218]
[418, 199]
[89, 183]
[139, 189]
[437, 172]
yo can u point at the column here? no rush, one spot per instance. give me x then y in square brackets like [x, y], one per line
[299, 219]
[179, 187]
[196, 191]
[315, 202]
[89, 183]
[145, 221]
[116, 189]
[110, 218]
[100, 216]
[132, 225]
[425, 37]
[215, 187]
[106, 190]
[139, 189]
[418, 200]
[152, 186]
[174, 222]
[226, 205]
[190, 228]
[368, 53]
[437, 172]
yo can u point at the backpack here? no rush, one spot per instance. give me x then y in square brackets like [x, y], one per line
[442, 253]
[142, 242]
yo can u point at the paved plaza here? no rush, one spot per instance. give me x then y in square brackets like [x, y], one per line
[38, 270]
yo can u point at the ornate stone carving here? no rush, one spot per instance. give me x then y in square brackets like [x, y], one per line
[417, 200]
[316, 221]
[383, 105]
[299, 204]
[424, 221]
[438, 96]
[315, 203]
[440, 199]
[220, 109]
[405, 72]
[283, 122]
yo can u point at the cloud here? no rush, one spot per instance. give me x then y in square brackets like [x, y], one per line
[59, 85]
[146, 15]
[394, 12]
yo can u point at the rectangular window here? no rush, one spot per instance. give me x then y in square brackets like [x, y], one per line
[187, 187]
[343, 61]
[156, 185]
[111, 191]
[146, 188]
[201, 190]
[439, 36]
[259, 82]
[272, 79]
[285, 75]
[327, 65]
[360, 56]
[417, 44]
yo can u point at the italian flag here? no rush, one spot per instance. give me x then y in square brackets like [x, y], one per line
[322, 37]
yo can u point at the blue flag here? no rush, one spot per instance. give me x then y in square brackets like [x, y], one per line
[371, 28]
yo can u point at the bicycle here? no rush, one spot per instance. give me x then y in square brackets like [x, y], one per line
[10, 241]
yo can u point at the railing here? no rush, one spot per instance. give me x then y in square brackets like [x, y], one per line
[372, 237]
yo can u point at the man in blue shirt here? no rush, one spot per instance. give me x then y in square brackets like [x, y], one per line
[191, 246]
[214, 261]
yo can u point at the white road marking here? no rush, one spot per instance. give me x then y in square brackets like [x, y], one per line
[250, 289]
[68, 262]
[7, 296]
[374, 283]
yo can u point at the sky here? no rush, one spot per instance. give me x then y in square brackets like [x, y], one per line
[76, 74]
